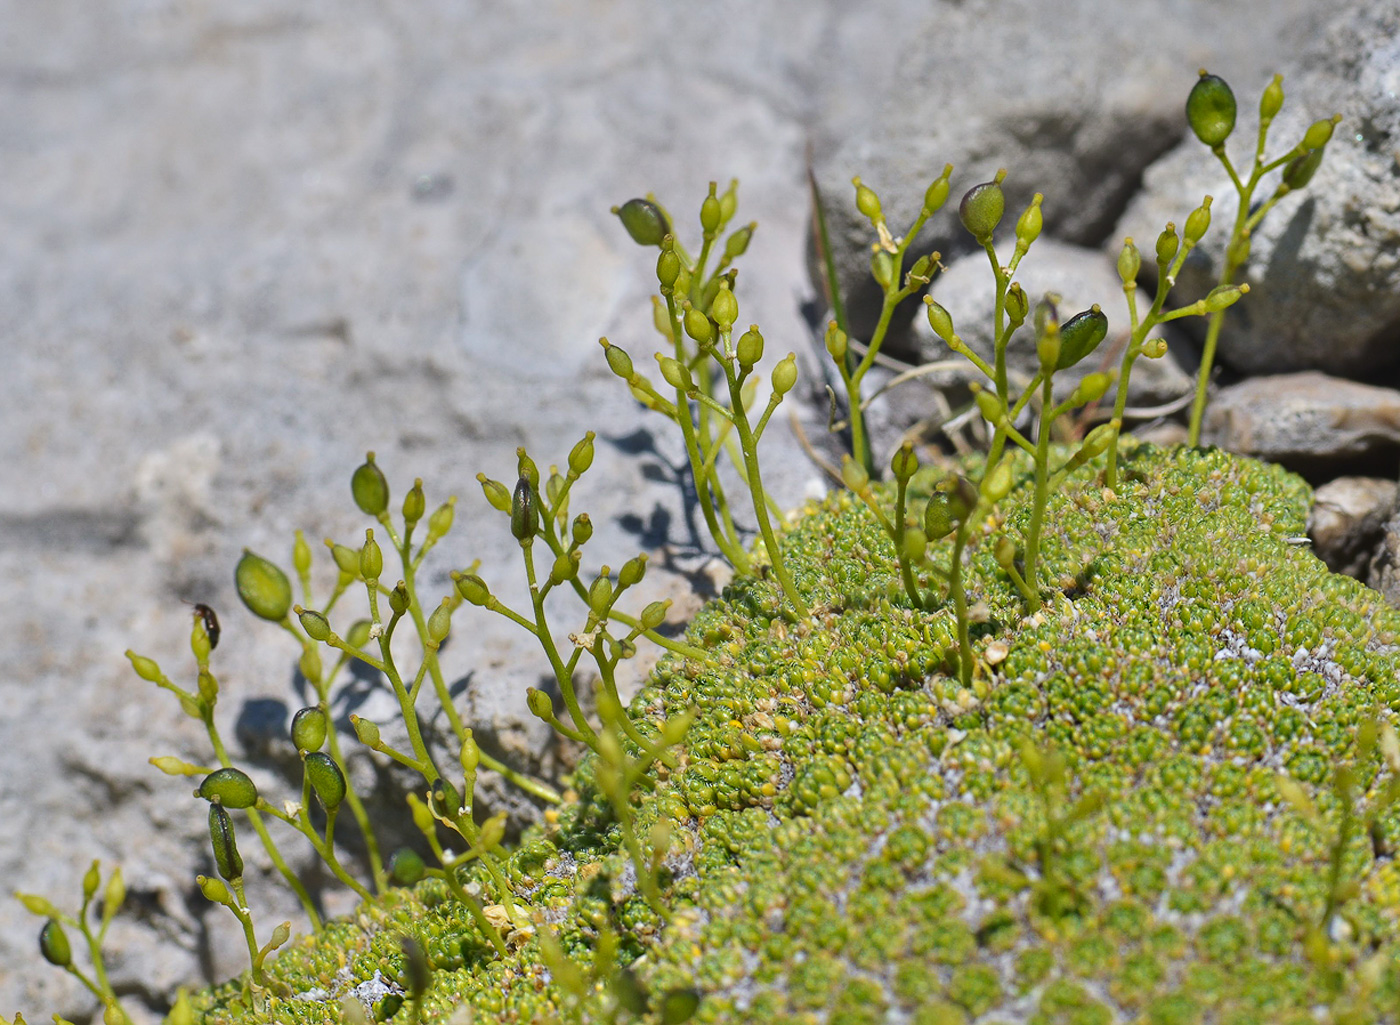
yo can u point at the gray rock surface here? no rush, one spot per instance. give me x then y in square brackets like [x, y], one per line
[1347, 522]
[247, 243]
[1307, 420]
[1384, 573]
[1323, 264]
[1075, 99]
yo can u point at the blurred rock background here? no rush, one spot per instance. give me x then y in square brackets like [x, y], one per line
[245, 243]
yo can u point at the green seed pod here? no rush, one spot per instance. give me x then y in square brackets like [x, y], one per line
[92, 879]
[226, 857]
[618, 361]
[600, 594]
[207, 686]
[1319, 133]
[1154, 348]
[472, 588]
[440, 622]
[711, 212]
[785, 375]
[469, 754]
[724, 309]
[1129, 262]
[1210, 110]
[940, 320]
[326, 779]
[310, 663]
[1081, 335]
[309, 727]
[1096, 442]
[358, 636]
[1092, 388]
[982, 207]
[1029, 225]
[1237, 252]
[539, 704]
[371, 558]
[581, 455]
[749, 349]
[316, 625]
[565, 567]
[1048, 345]
[697, 326]
[446, 800]
[668, 268]
[369, 488]
[738, 243]
[867, 202]
[987, 404]
[654, 614]
[675, 373]
[417, 973]
[921, 272]
[644, 221]
[146, 668]
[915, 544]
[301, 554]
[214, 890]
[1272, 100]
[1198, 223]
[962, 495]
[632, 571]
[679, 1005]
[398, 599]
[406, 866]
[836, 342]
[53, 944]
[233, 788]
[347, 559]
[525, 467]
[938, 517]
[524, 520]
[937, 192]
[905, 463]
[1224, 296]
[582, 530]
[996, 485]
[264, 588]
[496, 493]
[1017, 303]
[1167, 244]
[365, 731]
[1300, 170]
[883, 268]
[440, 522]
[415, 503]
[853, 474]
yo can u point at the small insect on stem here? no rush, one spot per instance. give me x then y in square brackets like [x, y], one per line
[211, 622]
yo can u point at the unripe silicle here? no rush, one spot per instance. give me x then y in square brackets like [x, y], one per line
[1300, 170]
[326, 779]
[54, 945]
[317, 626]
[996, 485]
[366, 732]
[525, 467]
[523, 518]
[1129, 262]
[853, 474]
[539, 704]
[937, 192]
[221, 837]
[146, 668]
[1167, 244]
[582, 530]
[346, 559]
[1096, 442]
[369, 488]
[867, 202]
[214, 890]
[1319, 133]
[675, 373]
[1030, 223]
[358, 635]
[1081, 335]
[581, 455]
[654, 614]
[1017, 303]
[632, 572]
[644, 221]
[883, 267]
[697, 326]
[1154, 348]
[301, 554]
[1210, 110]
[987, 404]
[1048, 345]
[785, 375]
[668, 268]
[406, 866]
[309, 728]
[711, 213]
[729, 201]
[469, 755]
[1005, 552]
[962, 496]
[904, 464]
[939, 319]
[440, 522]
[1224, 296]
[749, 348]
[1093, 387]
[233, 788]
[1199, 221]
[371, 558]
[738, 243]
[725, 309]
[618, 361]
[915, 544]
[981, 208]
[565, 567]
[1272, 100]
[600, 594]
[398, 599]
[440, 622]
[836, 342]
[938, 517]
[263, 588]
[415, 503]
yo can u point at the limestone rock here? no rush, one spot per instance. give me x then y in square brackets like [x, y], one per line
[1346, 522]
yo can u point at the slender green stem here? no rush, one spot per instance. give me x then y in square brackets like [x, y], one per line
[959, 595]
[1042, 497]
[546, 639]
[906, 569]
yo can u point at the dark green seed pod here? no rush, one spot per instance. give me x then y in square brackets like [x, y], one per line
[326, 779]
[226, 857]
[644, 221]
[317, 626]
[415, 503]
[369, 488]
[446, 800]
[232, 788]
[1210, 110]
[264, 588]
[1300, 170]
[53, 944]
[523, 518]
[1081, 335]
[406, 866]
[309, 727]
[938, 517]
[982, 207]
